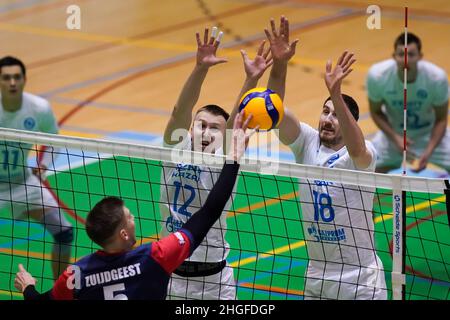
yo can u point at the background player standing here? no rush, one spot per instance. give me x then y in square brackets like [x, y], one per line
[21, 188]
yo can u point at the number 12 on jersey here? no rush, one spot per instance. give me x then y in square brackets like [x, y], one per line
[183, 209]
[323, 203]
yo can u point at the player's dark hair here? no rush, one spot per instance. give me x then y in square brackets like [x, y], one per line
[351, 105]
[412, 38]
[11, 61]
[215, 110]
[104, 219]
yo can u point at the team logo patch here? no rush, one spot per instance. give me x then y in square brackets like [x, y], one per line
[180, 238]
[29, 123]
[422, 94]
[333, 158]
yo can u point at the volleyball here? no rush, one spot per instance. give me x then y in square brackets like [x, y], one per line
[265, 106]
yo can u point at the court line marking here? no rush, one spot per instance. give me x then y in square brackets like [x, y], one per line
[7, 8]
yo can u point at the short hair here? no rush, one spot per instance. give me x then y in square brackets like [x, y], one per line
[104, 219]
[412, 38]
[351, 105]
[12, 61]
[215, 110]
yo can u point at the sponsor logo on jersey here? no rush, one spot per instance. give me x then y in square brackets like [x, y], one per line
[323, 183]
[180, 238]
[327, 235]
[422, 94]
[333, 159]
[29, 123]
[173, 225]
[187, 171]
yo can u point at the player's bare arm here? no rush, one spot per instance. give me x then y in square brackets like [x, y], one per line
[254, 70]
[282, 51]
[181, 117]
[437, 133]
[351, 132]
[382, 122]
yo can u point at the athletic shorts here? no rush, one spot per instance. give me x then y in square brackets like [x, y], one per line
[345, 282]
[31, 195]
[390, 156]
[219, 286]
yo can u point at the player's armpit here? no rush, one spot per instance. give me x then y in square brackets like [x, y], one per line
[289, 128]
[363, 160]
[171, 251]
[375, 107]
[63, 288]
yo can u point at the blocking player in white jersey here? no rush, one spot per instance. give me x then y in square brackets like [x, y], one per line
[21, 190]
[337, 219]
[206, 274]
[428, 139]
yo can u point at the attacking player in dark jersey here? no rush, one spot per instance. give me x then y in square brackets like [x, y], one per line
[120, 272]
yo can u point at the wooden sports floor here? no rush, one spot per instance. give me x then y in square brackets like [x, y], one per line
[122, 71]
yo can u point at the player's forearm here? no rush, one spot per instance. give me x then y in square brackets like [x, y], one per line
[382, 122]
[189, 95]
[277, 78]
[437, 134]
[201, 222]
[249, 84]
[30, 293]
[351, 132]
[181, 117]
[49, 156]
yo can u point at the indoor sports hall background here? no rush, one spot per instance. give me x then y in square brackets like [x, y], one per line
[119, 75]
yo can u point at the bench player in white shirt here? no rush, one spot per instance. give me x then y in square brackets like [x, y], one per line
[206, 274]
[338, 224]
[21, 190]
[428, 139]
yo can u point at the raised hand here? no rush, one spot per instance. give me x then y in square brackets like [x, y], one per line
[23, 279]
[240, 136]
[254, 69]
[282, 50]
[206, 51]
[334, 77]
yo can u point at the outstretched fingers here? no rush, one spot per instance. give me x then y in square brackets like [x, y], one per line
[261, 48]
[346, 59]
[341, 58]
[205, 36]
[247, 121]
[348, 65]
[199, 42]
[328, 66]
[274, 29]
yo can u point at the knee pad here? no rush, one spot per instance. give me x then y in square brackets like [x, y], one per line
[65, 236]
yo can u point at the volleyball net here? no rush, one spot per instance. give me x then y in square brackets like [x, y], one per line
[292, 231]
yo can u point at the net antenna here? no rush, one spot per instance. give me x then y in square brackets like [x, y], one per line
[399, 198]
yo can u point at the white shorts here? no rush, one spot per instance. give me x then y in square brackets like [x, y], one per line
[24, 197]
[389, 156]
[352, 283]
[220, 286]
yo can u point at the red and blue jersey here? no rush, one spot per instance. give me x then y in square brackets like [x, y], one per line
[142, 273]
